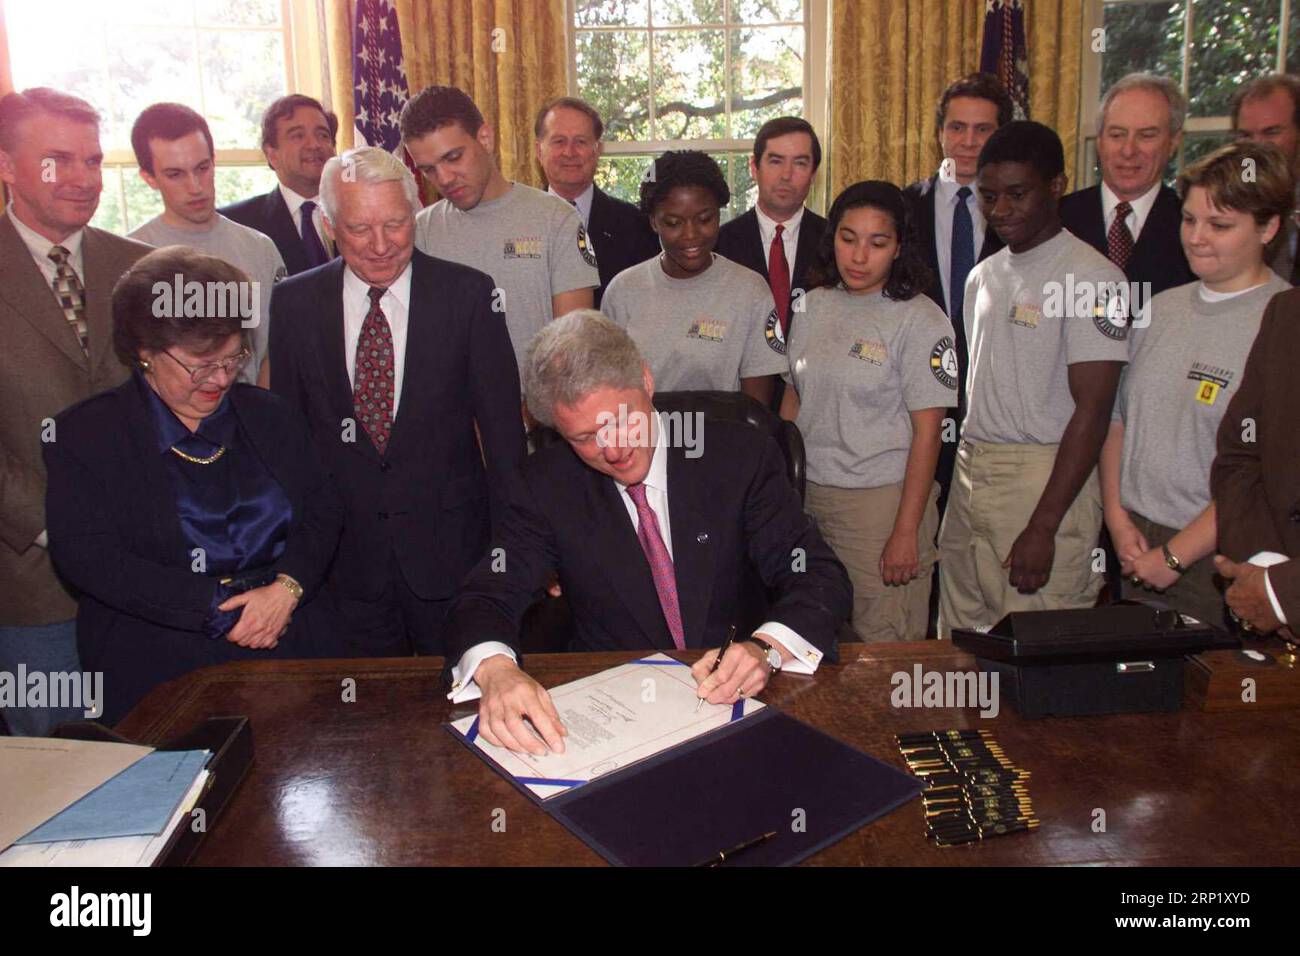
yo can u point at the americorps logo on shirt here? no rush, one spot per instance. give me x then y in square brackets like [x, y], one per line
[711, 330]
[1209, 379]
[773, 332]
[524, 247]
[869, 351]
[943, 362]
[585, 247]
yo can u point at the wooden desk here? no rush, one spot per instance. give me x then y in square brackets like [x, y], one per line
[379, 782]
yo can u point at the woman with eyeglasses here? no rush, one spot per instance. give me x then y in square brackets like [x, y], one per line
[188, 511]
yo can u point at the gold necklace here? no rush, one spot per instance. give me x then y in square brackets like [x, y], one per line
[200, 461]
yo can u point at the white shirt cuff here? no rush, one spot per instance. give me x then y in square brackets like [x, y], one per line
[43, 540]
[806, 657]
[463, 687]
[1266, 559]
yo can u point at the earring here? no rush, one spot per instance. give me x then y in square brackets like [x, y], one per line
[144, 364]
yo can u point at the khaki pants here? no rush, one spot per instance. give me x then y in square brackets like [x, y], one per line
[995, 489]
[1195, 593]
[856, 523]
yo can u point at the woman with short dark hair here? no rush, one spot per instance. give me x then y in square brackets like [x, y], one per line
[187, 510]
[873, 368]
[701, 320]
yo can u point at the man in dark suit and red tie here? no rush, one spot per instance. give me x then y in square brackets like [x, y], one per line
[786, 156]
[948, 226]
[650, 535]
[297, 138]
[399, 364]
[569, 145]
[1132, 218]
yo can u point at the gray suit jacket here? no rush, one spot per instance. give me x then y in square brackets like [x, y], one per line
[42, 372]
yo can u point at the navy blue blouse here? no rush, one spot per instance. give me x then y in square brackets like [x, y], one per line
[233, 508]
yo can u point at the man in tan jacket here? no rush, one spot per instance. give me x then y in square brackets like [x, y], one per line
[56, 278]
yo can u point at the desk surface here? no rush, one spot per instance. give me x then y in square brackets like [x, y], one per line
[379, 782]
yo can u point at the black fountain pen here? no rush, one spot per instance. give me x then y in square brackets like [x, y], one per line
[731, 636]
[724, 855]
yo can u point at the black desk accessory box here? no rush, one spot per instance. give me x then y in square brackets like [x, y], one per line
[1124, 658]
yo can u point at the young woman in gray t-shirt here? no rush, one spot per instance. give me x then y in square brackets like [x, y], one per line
[1189, 353]
[873, 368]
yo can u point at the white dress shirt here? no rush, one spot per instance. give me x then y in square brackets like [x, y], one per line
[396, 303]
[40, 248]
[1137, 218]
[806, 656]
[1266, 559]
[294, 201]
[945, 205]
[582, 203]
[789, 238]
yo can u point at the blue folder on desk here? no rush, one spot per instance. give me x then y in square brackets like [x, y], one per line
[766, 773]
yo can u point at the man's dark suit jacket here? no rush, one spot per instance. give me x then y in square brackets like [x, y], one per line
[426, 500]
[1158, 254]
[270, 216]
[1256, 483]
[116, 538]
[730, 505]
[741, 241]
[622, 237]
[920, 211]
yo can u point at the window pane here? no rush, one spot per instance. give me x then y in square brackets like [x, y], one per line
[621, 176]
[142, 201]
[153, 12]
[1293, 42]
[610, 13]
[613, 76]
[1235, 42]
[109, 214]
[744, 193]
[1142, 36]
[766, 77]
[239, 182]
[242, 71]
[677, 12]
[146, 65]
[1196, 145]
[239, 12]
[689, 67]
[766, 11]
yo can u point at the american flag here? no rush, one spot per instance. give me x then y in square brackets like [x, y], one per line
[1005, 53]
[379, 88]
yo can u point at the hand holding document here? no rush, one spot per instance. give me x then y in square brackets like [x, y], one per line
[615, 718]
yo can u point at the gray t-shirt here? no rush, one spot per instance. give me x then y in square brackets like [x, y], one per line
[531, 243]
[860, 365]
[1188, 364]
[245, 248]
[1028, 318]
[706, 332]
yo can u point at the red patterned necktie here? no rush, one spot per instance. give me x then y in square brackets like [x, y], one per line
[778, 277]
[661, 563]
[374, 377]
[1119, 241]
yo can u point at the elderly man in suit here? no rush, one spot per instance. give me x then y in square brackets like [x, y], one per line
[408, 382]
[297, 138]
[1255, 480]
[1132, 218]
[568, 132]
[56, 276]
[1267, 110]
[650, 538]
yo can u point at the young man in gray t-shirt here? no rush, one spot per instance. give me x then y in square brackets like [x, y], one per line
[532, 244]
[173, 147]
[1047, 330]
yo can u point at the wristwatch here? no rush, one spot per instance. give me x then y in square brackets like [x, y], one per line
[1171, 561]
[294, 587]
[772, 654]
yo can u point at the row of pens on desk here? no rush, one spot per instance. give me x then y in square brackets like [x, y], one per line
[973, 791]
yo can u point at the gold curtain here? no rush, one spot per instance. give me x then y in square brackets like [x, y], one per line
[891, 59]
[510, 56]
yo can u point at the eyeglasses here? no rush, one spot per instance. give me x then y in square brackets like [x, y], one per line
[200, 374]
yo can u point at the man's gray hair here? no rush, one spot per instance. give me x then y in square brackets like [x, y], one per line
[364, 164]
[1156, 84]
[573, 356]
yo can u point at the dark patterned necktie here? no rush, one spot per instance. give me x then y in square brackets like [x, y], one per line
[316, 254]
[661, 563]
[375, 374]
[1119, 241]
[71, 295]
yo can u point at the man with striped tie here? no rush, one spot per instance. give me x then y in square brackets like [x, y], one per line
[56, 273]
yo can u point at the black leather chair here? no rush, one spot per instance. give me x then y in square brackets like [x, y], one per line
[546, 625]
